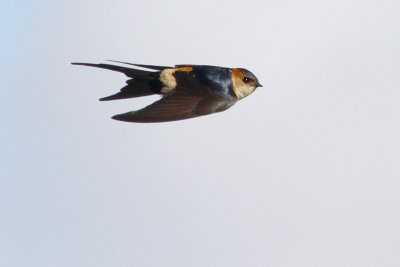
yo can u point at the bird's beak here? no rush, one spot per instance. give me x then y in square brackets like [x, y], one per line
[259, 85]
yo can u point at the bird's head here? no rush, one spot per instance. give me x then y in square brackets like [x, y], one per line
[244, 82]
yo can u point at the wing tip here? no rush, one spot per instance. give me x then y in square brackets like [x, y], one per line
[85, 64]
[133, 116]
[152, 67]
[126, 117]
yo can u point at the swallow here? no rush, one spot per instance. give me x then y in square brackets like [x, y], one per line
[187, 91]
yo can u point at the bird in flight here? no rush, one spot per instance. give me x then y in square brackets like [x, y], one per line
[187, 91]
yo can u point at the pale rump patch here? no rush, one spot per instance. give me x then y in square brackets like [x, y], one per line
[168, 79]
[240, 88]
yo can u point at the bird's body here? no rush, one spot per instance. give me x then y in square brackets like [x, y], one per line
[188, 90]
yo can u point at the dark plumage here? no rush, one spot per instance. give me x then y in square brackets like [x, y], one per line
[188, 90]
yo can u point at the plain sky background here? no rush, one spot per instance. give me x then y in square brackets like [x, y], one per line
[304, 172]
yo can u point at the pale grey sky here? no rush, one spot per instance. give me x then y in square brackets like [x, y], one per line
[304, 172]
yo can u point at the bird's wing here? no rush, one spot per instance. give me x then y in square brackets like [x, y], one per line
[127, 71]
[191, 98]
[176, 106]
[130, 72]
[152, 67]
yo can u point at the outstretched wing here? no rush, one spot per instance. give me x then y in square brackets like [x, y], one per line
[132, 73]
[152, 67]
[127, 71]
[176, 106]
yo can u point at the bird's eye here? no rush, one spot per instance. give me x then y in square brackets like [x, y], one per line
[246, 79]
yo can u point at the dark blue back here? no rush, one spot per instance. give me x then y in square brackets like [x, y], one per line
[219, 79]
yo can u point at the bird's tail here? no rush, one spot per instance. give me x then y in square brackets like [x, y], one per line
[136, 88]
[143, 82]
